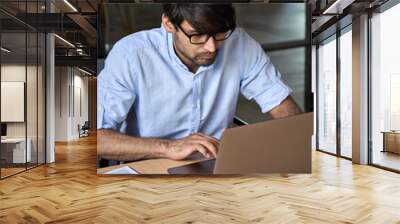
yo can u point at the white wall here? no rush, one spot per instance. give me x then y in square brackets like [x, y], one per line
[80, 109]
[10, 73]
[61, 103]
[71, 102]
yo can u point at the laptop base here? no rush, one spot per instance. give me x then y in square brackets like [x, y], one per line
[200, 168]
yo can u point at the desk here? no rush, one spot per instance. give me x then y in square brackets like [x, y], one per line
[391, 141]
[17, 150]
[154, 166]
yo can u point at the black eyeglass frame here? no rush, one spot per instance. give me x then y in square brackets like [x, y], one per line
[209, 35]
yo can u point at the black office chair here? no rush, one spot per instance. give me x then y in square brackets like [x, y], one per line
[84, 130]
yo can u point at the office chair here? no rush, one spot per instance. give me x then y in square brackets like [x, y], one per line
[84, 130]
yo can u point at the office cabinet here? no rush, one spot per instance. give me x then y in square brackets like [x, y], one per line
[391, 141]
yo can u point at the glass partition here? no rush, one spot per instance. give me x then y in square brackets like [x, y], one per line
[13, 105]
[31, 99]
[22, 79]
[41, 96]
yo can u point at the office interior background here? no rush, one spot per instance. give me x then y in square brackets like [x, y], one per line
[49, 64]
[45, 96]
[50, 58]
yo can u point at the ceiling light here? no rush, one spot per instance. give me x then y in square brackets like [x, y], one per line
[70, 5]
[337, 7]
[84, 71]
[65, 41]
[5, 50]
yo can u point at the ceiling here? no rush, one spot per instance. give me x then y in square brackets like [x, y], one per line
[76, 22]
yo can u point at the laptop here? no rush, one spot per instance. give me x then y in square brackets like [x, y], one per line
[275, 146]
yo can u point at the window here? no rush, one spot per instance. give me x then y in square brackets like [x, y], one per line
[346, 93]
[327, 96]
[385, 89]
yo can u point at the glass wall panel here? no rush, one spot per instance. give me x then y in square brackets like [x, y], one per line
[346, 94]
[13, 92]
[31, 98]
[327, 96]
[385, 89]
[32, 88]
[41, 98]
[22, 79]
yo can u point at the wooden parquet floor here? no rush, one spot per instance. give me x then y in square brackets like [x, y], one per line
[69, 191]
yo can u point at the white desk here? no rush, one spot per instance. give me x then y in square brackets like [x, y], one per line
[19, 155]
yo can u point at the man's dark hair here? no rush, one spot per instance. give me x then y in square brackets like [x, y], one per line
[205, 18]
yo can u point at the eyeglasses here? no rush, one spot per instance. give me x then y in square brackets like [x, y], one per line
[203, 38]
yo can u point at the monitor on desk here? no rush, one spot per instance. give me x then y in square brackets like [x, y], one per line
[3, 130]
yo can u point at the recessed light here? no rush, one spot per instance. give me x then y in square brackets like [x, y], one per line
[64, 40]
[5, 50]
[84, 71]
[70, 5]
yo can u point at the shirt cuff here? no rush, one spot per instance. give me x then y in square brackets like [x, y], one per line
[268, 100]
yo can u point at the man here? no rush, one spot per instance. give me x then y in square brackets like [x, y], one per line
[170, 92]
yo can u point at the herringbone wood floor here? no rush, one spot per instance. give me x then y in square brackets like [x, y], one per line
[70, 192]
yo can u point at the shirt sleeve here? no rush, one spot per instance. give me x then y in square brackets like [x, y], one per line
[260, 80]
[116, 92]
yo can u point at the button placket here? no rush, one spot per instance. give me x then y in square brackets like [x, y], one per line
[197, 102]
[194, 106]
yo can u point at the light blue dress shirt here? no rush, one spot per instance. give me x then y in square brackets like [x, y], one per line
[145, 90]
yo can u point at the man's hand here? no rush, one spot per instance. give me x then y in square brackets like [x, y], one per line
[182, 148]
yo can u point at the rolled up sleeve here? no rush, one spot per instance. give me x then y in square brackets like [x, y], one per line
[116, 91]
[260, 80]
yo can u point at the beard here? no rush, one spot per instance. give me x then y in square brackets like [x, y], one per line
[204, 59]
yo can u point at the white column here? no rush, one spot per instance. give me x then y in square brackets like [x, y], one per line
[360, 90]
[50, 94]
